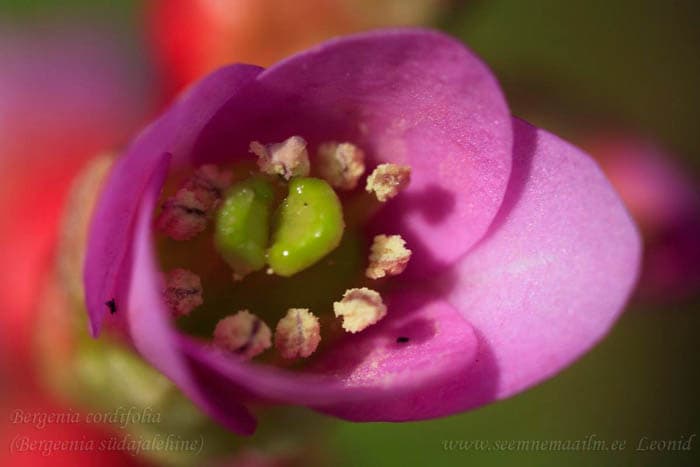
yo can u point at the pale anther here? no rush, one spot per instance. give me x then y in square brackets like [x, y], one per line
[182, 292]
[387, 180]
[341, 165]
[297, 334]
[244, 334]
[360, 308]
[185, 215]
[287, 159]
[388, 256]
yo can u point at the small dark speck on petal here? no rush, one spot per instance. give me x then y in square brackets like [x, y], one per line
[402, 340]
[112, 305]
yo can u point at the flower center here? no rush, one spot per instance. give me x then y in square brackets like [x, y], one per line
[252, 249]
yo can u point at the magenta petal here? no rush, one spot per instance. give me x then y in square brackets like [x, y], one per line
[151, 330]
[544, 285]
[411, 359]
[551, 278]
[406, 96]
[365, 376]
[106, 265]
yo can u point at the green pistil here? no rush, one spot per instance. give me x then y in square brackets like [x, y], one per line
[286, 244]
[308, 225]
[243, 225]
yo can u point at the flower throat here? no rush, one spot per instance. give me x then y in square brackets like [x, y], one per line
[273, 242]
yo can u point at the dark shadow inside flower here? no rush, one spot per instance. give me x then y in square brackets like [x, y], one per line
[433, 204]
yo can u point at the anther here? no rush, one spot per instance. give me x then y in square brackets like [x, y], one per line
[387, 180]
[244, 334]
[388, 256]
[297, 334]
[360, 308]
[182, 292]
[341, 165]
[185, 215]
[287, 159]
[208, 184]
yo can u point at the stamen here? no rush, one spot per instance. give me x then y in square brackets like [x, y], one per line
[297, 334]
[185, 215]
[388, 256]
[387, 180]
[341, 165]
[244, 334]
[208, 184]
[360, 308]
[183, 291]
[288, 158]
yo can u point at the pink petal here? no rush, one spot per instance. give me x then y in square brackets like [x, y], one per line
[552, 276]
[371, 368]
[406, 96]
[108, 251]
[150, 327]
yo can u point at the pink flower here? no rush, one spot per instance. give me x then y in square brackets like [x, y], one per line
[523, 255]
[193, 37]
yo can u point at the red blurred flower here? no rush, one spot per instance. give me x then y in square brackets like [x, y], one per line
[66, 92]
[194, 37]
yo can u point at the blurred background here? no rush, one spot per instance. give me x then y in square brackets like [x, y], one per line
[620, 78]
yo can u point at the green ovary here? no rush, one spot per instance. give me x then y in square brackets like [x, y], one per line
[308, 225]
[243, 225]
